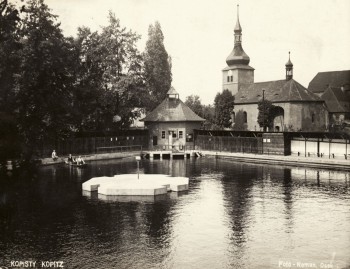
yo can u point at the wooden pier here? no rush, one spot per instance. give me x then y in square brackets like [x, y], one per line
[169, 154]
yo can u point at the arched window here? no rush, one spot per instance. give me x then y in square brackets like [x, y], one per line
[313, 117]
[245, 118]
[233, 117]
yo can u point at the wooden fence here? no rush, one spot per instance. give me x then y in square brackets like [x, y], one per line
[229, 144]
[93, 145]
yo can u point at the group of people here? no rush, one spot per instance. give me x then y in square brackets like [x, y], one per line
[71, 159]
[74, 160]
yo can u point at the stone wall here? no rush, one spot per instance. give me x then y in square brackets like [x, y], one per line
[313, 116]
[252, 116]
[302, 116]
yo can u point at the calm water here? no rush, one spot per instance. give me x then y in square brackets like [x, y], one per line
[234, 215]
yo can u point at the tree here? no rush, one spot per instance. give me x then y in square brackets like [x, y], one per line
[110, 83]
[157, 66]
[240, 121]
[266, 114]
[9, 56]
[9, 67]
[194, 103]
[224, 104]
[209, 116]
[122, 72]
[46, 76]
[89, 81]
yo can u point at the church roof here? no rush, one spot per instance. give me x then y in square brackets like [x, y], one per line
[172, 109]
[237, 56]
[275, 91]
[336, 100]
[323, 80]
[238, 66]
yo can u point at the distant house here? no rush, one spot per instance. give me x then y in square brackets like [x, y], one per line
[298, 109]
[334, 88]
[334, 79]
[338, 106]
[171, 124]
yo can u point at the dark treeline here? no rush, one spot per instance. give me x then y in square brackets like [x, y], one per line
[53, 87]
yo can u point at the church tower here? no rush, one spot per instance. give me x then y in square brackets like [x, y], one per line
[238, 72]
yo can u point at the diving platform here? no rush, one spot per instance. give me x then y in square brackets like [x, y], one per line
[136, 185]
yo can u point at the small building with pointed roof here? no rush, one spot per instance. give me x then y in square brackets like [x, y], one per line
[297, 108]
[333, 87]
[171, 124]
[337, 100]
[323, 80]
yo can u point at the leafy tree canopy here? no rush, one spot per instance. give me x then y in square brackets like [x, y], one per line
[52, 86]
[9, 56]
[157, 66]
[194, 102]
[267, 112]
[46, 76]
[110, 83]
[224, 104]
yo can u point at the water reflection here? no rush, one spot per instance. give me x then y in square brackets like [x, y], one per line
[235, 215]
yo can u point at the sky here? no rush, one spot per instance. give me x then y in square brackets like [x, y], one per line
[198, 35]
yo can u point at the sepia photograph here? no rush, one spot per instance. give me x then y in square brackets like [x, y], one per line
[180, 134]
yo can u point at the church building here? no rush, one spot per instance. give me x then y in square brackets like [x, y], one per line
[298, 109]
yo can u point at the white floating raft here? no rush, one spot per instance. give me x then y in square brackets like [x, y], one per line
[130, 184]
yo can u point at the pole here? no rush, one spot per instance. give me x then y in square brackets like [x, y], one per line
[264, 110]
[138, 158]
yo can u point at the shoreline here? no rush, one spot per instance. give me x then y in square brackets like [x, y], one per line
[337, 164]
[92, 157]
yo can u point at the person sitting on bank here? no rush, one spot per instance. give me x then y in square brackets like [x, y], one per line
[54, 155]
[80, 160]
[70, 158]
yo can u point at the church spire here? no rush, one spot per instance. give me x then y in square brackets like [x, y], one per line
[238, 28]
[289, 69]
[238, 56]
